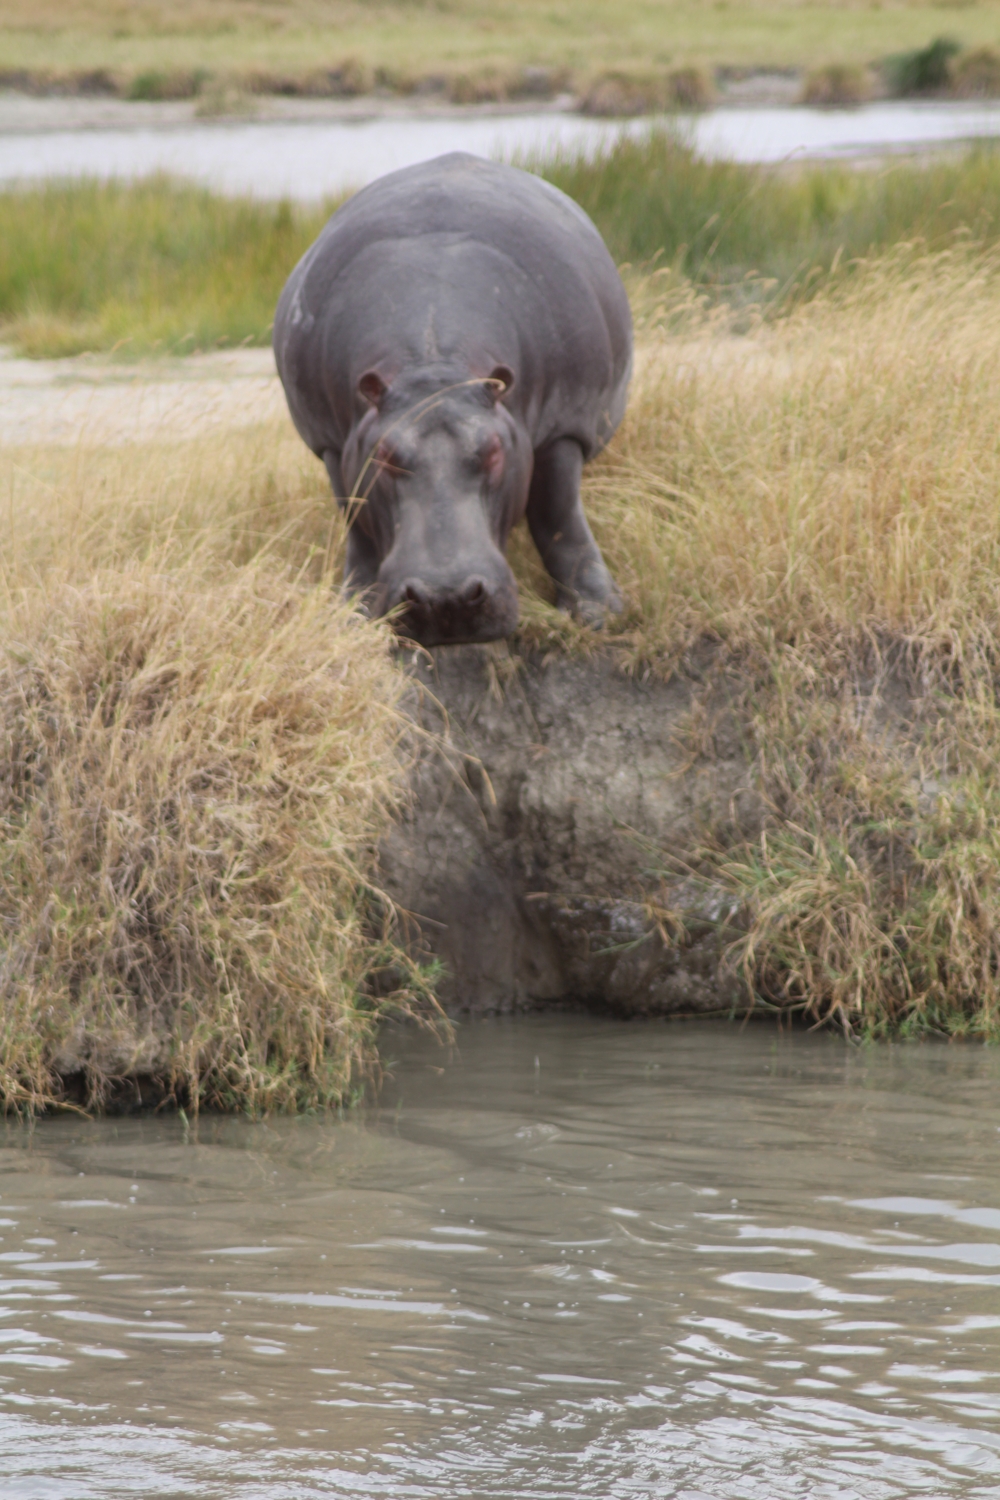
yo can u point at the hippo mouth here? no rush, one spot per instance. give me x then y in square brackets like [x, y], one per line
[477, 612]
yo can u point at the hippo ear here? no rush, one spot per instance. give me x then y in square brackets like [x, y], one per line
[500, 381]
[372, 387]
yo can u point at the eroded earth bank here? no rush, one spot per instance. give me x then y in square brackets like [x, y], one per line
[555, 802]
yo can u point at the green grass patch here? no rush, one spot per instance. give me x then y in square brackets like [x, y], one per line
[720, 223]
[135, 268]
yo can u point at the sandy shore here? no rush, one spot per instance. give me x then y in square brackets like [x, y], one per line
[94, 400]
[91, 399]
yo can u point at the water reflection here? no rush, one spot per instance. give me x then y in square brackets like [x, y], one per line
[577, 1259]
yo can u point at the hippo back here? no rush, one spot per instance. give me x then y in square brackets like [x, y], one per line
[453, 267]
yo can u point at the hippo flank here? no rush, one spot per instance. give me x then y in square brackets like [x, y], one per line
[455, 346]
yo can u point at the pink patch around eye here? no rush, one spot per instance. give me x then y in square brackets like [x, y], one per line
[493, 459]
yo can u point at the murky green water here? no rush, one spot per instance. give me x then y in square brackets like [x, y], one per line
[578, 1259]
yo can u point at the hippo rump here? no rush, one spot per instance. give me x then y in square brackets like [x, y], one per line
[454, 346]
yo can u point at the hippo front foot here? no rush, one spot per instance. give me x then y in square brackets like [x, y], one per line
[594, 611]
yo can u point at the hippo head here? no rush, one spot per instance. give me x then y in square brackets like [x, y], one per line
[437, 471]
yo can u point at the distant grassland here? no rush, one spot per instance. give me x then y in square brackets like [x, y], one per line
[409, 40]
[161, 265]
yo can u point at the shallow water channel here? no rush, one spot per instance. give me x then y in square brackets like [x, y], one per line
[573, 1258]
[309, 160]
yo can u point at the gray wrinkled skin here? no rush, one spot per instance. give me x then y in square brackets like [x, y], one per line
[454, 346]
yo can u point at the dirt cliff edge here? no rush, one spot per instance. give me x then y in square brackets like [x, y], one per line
[539, 836]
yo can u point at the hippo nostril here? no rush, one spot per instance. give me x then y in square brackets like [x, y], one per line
[414, 592]
[474, 591]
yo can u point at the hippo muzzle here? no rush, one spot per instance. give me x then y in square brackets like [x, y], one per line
[443, 476]
[473, 603]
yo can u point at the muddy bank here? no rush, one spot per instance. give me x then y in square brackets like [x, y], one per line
[537, 841]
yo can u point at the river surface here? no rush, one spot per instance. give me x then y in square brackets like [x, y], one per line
[573, 1258]
[310, 160]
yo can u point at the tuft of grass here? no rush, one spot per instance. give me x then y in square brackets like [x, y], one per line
[191, 782]
[925, 70]
[870, 898]
[976, 74]
[154, 84]
[616, 95]
[152, 265]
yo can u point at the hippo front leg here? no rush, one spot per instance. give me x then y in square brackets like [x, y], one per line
[559, 529]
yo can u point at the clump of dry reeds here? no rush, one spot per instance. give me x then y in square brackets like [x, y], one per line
[817, 496]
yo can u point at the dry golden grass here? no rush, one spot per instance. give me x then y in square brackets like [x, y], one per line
[829, 473]
[226, 497]
[201, 747]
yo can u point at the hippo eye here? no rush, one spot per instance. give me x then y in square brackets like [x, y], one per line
[492, 459]
[387, 460]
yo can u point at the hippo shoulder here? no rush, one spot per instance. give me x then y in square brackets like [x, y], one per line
[459, 192]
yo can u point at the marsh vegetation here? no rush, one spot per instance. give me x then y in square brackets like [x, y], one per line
[160, 265]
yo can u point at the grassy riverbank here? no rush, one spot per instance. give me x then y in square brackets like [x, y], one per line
[163, 266]
[474, 48]
[818, 498]
[813, 497]
[201, 748]
[202, 745]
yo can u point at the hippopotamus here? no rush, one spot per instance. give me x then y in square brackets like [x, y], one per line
[454, 346]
